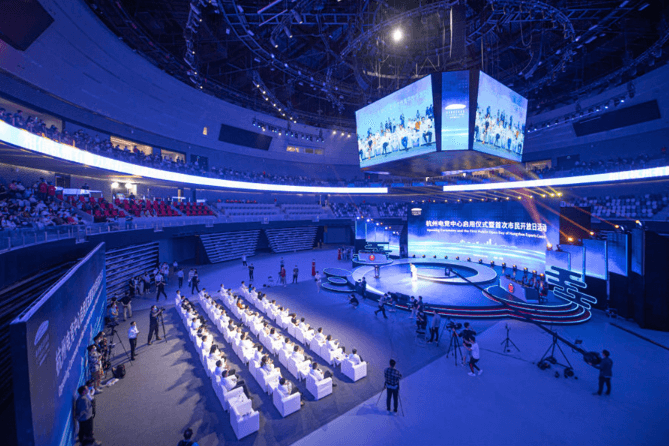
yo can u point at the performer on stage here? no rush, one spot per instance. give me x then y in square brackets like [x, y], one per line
[414, 272]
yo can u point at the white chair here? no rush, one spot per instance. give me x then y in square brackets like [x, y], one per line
[265, 378]
[283, 358]
[299, 335]
[286, 405]
[253, 368]
[298, 370]
[244, 419]
[319, 389]
[292, 330]
[355, 372]
[225, 396]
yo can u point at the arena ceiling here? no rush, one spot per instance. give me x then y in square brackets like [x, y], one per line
[317, 61]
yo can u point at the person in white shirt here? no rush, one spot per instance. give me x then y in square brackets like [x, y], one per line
[202, 293]
[319, 375]
[287, 347]
[229, 381]
[303, 325]
[299, 357]
[246, 343]
[258, 354]
[286, 388]
[132, 337]
[221, 291]
[218, 371]
[266, 364]
[474, 357]
[354, 358]
[319, 337]
[195, 323]
[336, 349]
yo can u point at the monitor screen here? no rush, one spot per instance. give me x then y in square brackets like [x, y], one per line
[399, 126]
[455, 110]
[500, 120]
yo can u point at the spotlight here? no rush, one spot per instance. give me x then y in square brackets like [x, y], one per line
[592, 233]
[114, 185]
[549, 246]
[617, 226]
[480, 261]
[570, 239]
[397, 35]
[445, 257]
[469, 259]
[457, 257]
[128, 185]
[515, 267]
[492, 263]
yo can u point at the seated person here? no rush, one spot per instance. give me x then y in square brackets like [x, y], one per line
[218, 371]
[229, 381]
[287, 347]
[336, 349]
[221, 290]
[354, 358]
[303, 325]
[267, 364]
[258, 354]
[246, 343]
[318, 375]
[214, 354]
[353, 301]
[286, 388]
[299, 357]
[319, 336]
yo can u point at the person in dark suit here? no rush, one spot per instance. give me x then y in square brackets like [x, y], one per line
[605, 367]
[153, 323]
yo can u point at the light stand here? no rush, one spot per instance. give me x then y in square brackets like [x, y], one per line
[547, 360]
[111, 343]
[507, 343]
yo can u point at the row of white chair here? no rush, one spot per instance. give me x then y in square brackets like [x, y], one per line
[243, 418]
[268, 381]
[306, 337]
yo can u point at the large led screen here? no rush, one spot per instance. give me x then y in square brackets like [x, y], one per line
[455, 110]
[399, 126]
[501, 232]
[500, 120]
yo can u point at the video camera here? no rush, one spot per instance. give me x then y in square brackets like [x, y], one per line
[451, 325]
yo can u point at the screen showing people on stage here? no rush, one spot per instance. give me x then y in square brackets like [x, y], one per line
[501, 113]
[455, 110]
[491, 231]
[398, 126]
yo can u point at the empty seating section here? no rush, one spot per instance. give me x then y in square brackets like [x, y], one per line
[296, 211]
[126, 263]
[642, 207]
[146, 208]
[392, 210]
[230, 245]
[291, 239]
[194, 209]
[14, 300]
[249, 211]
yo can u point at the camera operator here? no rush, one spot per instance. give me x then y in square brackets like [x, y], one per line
[467, 336]
[392, 378]
[153, 323]
[605, 367]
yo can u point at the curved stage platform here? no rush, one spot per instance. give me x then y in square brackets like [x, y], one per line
[471, 293]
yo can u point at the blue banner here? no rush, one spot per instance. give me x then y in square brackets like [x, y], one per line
[49, 355]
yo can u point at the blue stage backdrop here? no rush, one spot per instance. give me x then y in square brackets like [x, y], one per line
[49, 343]
[512, 231]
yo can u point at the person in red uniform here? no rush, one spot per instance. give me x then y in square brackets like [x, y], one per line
[339, 254]
[313, 268]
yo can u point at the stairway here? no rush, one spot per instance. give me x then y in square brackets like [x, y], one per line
[125, 263]
[230, 245]
[291, 239]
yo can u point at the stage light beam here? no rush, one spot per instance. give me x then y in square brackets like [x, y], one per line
[398, 35]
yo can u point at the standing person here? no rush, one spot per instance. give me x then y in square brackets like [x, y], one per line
[282, 273]
[153, 324]
[95, 366]
[251, 268]
[434, 327]
[147, 282]
[392, 384]
[414, 307]
[281, 263]
[160, 286]
[295, 271]
[605, 367]
[126, 301]
[474, 357]
[175, 267]
[113, 312]
[180, 277]
[195, 282]
[132, 337]
[318, 281]
[84, 415]
[313, 268]
[188, 433]
[363, 288]
[243, 259]
[191, 273]
[382, 306]
[339, 254]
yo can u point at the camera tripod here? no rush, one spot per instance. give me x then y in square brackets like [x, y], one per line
[547, 360]
[110, 342]
[455, 346]
[162, 324]
[399, 398]
[507, 343]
